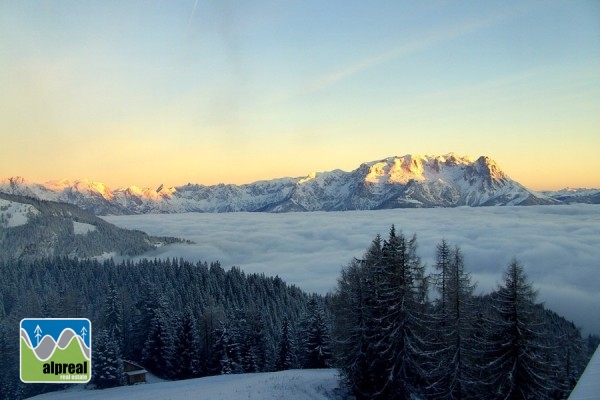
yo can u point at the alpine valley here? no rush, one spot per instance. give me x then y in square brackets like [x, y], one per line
[396, 182]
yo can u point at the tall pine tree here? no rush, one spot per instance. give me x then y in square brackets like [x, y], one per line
[159, 346]
[113, 315]
[378, 311]
[452, 375]
[107, 368]
[286, 358]
[187, 363]
[316, 343]
[516, 367]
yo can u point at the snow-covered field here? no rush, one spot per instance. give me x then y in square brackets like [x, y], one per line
[81, 228]
[285, 385]
[15, 214]
[558, 245]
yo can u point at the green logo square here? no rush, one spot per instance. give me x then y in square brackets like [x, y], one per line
[56, 350]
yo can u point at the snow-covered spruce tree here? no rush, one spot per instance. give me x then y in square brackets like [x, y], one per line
[443, 257]
[516, 366]
[286, 358]
[379, 330]
[251, 339]
[225, 352]
[141, 319]
[107, 363]
[187, 363]
[159, 348]
[351, 329]
[316, 342]
[113, 315]
[453, 359]
[398, 298]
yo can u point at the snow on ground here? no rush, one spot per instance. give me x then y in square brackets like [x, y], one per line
[81, 228]
[588, 387]
[288, 385]
[15, 214]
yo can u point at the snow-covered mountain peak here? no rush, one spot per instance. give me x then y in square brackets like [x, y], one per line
[82, 186]
[401, 170]
[147, 193]
[307, 178]
[487, 166]
[448, 180]
[397, 170]
[13, 181]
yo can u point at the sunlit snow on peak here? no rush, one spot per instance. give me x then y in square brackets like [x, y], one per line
[309, 177]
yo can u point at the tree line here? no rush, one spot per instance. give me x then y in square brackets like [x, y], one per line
[393, 342]
[177, 319]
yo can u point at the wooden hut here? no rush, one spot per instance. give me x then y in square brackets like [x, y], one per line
[134, 373]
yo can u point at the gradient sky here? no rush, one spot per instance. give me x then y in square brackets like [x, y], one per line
[150, 92]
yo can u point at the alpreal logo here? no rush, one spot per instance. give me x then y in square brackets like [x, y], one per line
[56, 350]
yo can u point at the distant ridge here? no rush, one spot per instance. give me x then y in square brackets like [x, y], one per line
[32, 229]
[408, 181]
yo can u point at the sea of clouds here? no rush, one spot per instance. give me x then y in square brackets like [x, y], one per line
[559, 246]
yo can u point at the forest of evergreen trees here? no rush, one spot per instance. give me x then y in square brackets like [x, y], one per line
[178, 319]
[380, 328]
[393, 342]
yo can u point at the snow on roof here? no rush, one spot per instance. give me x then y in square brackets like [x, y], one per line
[136, 372]
[588, 386]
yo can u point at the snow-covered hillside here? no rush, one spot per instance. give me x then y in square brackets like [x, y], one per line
[319, 384]
[395, 182]
[32, 229]
[14, 214]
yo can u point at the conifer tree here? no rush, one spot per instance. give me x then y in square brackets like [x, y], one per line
[379, 323]
[225, 352]
[454, 366]
[286, 358]
[316, 340]
[352, 329]
[143, 314]
[442, 265]
[516, 368]
[402, 349]
[159, 346]
[251, 339]
[187, 364]
[113, 315]
[107, 363]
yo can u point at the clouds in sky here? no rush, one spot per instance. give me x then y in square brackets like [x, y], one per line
[559, 246]
[408, 47]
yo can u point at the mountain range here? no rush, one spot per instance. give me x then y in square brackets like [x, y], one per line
[409, 181]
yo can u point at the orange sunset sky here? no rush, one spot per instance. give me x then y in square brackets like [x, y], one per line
[144, 93]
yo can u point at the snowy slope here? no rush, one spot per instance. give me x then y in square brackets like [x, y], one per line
[14, 214]
[288, 385]
[588, 386]
[31, 229]
[395, 182]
